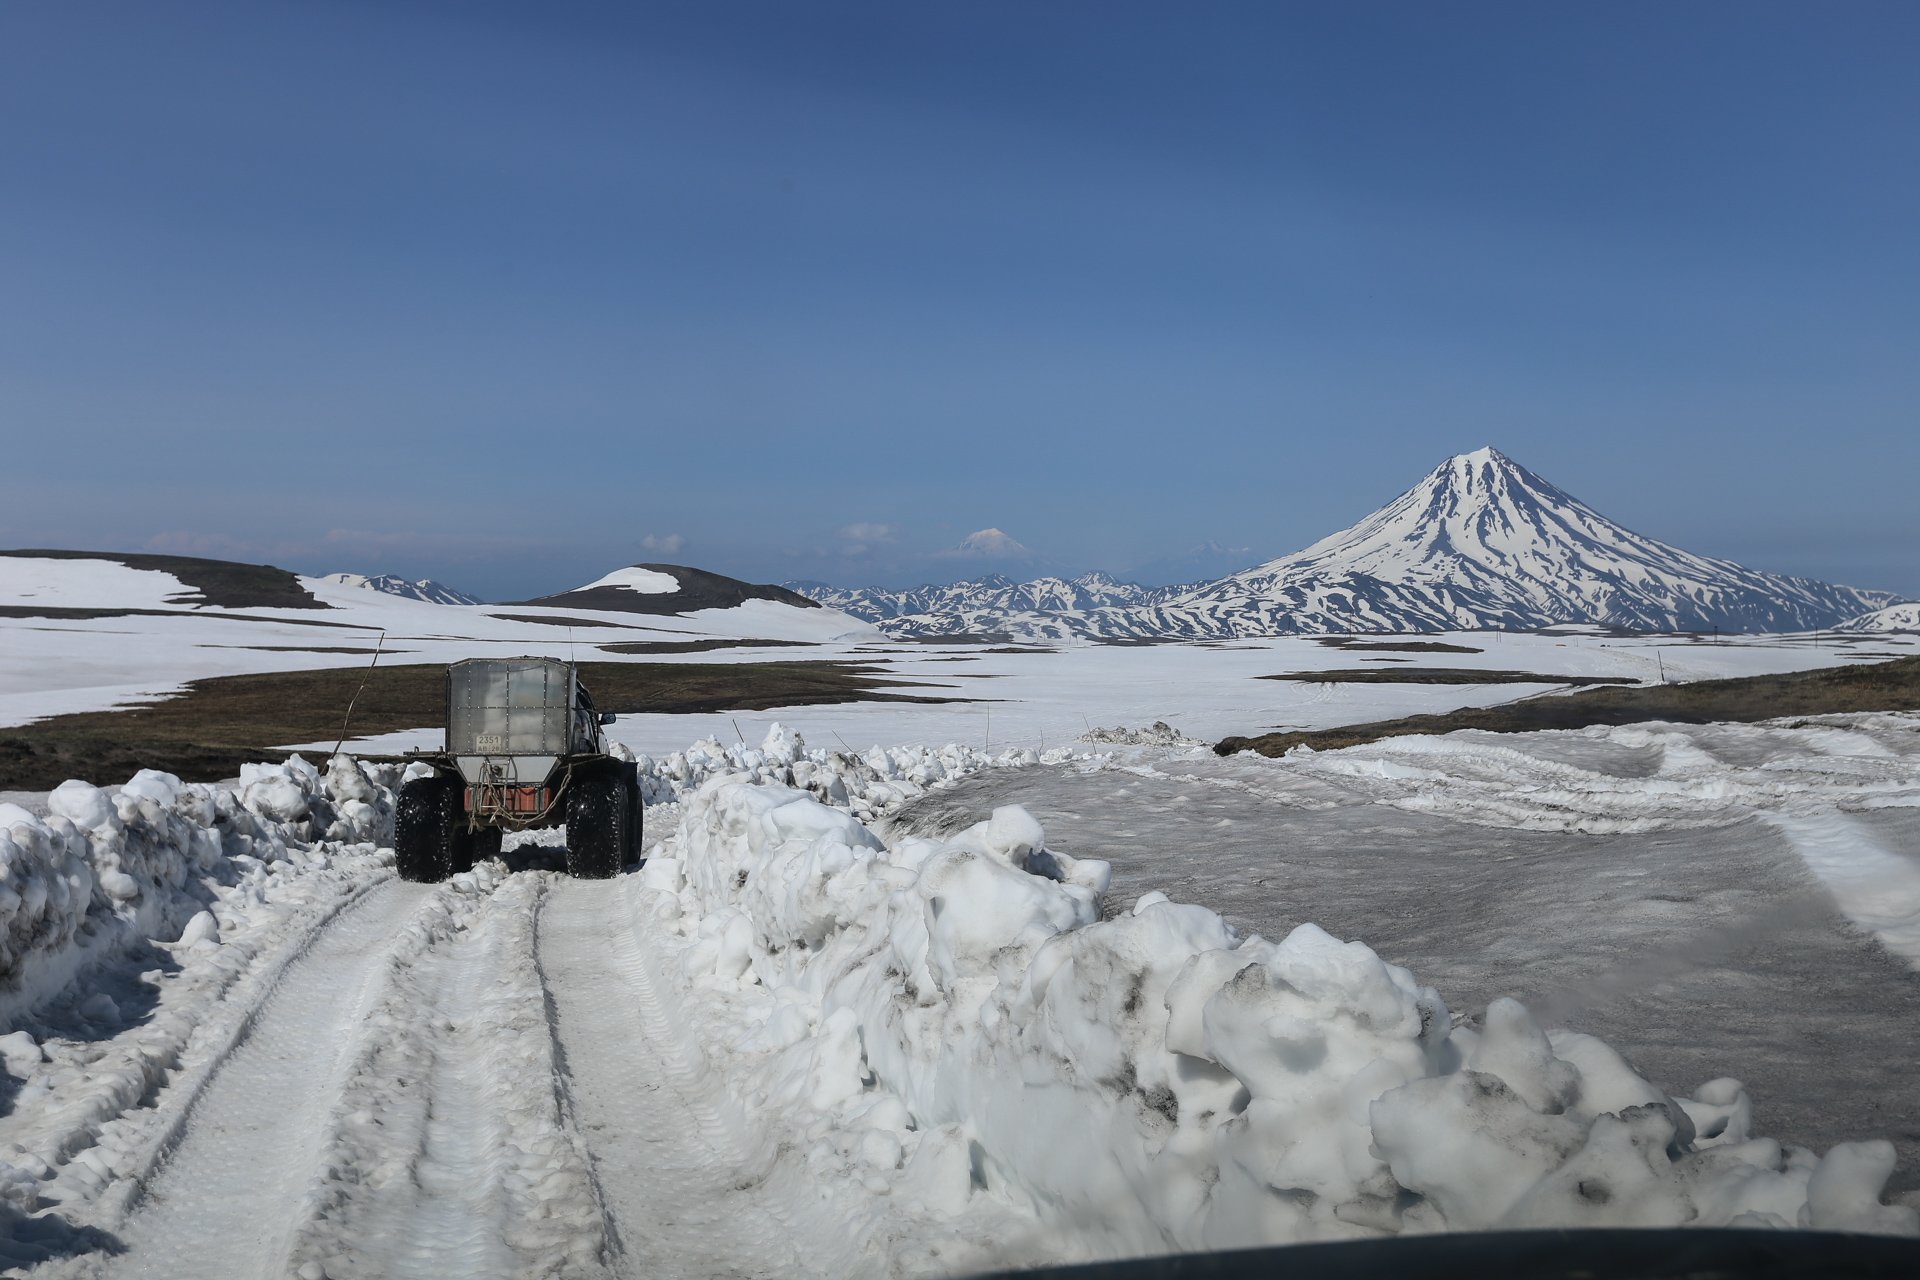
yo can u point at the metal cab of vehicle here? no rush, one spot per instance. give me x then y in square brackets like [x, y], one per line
[525, 747]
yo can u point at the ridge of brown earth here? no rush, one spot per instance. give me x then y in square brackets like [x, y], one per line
[1877, 686]
[697, 646]
[537, 620]
[1347, 644]
[224, 584]
[206, 732]
[1439, 675]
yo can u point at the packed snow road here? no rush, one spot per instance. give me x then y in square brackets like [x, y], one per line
[475, 1079]
[225, 1199]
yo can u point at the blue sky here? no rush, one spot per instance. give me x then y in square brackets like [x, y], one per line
[511, 294]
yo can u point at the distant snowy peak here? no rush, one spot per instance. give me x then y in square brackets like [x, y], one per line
[425, 589]
[1480, 542]
[1897, 617]
[992, 595]
[987, 544]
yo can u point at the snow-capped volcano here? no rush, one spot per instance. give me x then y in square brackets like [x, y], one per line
[1480, 542]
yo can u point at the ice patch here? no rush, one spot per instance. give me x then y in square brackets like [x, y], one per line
[1876, 888]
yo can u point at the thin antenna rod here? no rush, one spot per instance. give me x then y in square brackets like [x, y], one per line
[356, 694]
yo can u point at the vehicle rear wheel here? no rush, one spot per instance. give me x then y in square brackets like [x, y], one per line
[461, 848]
[599, 815]
[423, 828]
[486, 843]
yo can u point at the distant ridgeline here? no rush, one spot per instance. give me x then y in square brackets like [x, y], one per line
[1481, 542]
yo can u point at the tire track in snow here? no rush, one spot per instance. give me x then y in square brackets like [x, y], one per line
[448, 1152]
[222, 1203]
[685, 1192]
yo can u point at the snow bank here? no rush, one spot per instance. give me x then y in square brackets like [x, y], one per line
[974, 1030]
[107, 884]
[866, 783]
[102, 870]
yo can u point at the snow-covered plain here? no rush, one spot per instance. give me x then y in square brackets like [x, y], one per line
[845, 1023]
[1041, 698]
[55, 665]
[1027, 696]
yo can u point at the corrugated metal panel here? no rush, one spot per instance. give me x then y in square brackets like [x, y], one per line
[508, 706]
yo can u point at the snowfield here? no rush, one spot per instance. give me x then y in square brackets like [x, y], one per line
[806, 1039]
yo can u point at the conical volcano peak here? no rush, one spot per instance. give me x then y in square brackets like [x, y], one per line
[1484, 473]
[1482, 541]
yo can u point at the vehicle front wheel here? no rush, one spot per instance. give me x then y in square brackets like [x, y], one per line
[599, 812]
[423, 828]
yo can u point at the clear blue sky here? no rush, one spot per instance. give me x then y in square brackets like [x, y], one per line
[495, 292]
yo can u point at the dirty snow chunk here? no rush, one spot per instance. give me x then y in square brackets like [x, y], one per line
[1161, 734]
[1154, 1082]
[273, 791]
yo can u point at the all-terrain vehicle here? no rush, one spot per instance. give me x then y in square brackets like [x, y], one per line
[524, 748]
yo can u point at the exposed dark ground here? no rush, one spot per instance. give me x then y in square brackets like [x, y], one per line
[1439, 675]
[1695, 953]
[1878, 686]
[208, 732]
[221, 583]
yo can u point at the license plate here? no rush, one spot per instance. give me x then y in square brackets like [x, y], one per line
[489, 742]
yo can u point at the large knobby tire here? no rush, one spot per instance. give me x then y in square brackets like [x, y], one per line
[599, 826]
[636, 817]
[424, 828]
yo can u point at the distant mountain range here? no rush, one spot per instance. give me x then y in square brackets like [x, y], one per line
[1481, 542]
[425, 589]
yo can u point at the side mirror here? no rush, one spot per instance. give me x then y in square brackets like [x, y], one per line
[607, 717]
